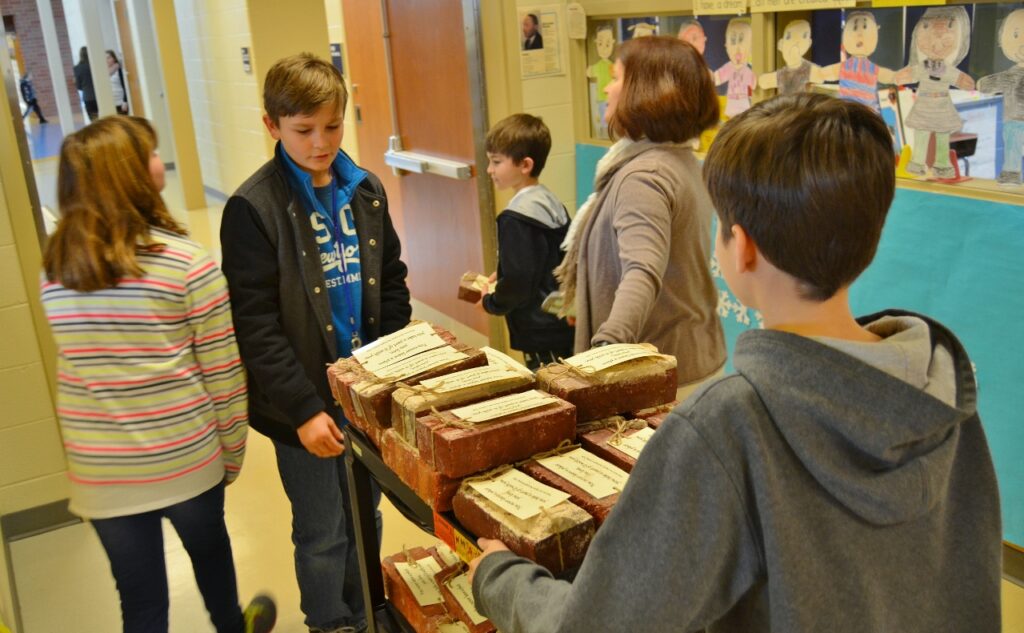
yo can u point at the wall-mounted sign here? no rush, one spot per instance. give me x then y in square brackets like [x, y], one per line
[246, 60]
[336, 57]
[719, 7]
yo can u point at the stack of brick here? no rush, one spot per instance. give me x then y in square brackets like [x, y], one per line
[610, 380]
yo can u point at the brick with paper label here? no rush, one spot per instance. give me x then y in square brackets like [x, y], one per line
[597, 508]
[557, 538]
[455, 607]
[435, 489]
[634, 384]
[471, 287]
[410, 402]
[402, 596]
[457, 448]
[366, 397]
[597, 442]
[654, 416]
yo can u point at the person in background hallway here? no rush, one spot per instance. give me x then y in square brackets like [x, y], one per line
[28, 94]
[314, 268]
[530, 232]
[841, 480]
[117, 85]
[151, 391]
[637, 263]
[83, 81]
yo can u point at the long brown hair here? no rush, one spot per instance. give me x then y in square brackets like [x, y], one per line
[108, 202]
[667, 94]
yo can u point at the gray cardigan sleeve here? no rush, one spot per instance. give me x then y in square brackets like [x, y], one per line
[642, 221]
[675, 554]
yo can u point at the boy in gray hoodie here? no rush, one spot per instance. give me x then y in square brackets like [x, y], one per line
[840, 480]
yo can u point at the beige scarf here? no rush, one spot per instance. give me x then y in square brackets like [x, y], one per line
[623, 151]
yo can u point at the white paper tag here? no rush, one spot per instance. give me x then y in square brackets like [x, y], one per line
[478, 282]
[463, 593]
[598, 477]
[519, 494]
[453, 627]
[420, 579]
[422, 362]
[469, 378]
[494, 357]
[505, 405]
[633, 444]
[601, 358]
[448, 556]
[398, 346]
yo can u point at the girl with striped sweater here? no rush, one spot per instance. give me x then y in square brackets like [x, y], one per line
[151, 392]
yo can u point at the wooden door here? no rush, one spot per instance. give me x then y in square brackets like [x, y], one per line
[367, 74]
[439, 106]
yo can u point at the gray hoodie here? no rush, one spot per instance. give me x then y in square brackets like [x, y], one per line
[828, 486]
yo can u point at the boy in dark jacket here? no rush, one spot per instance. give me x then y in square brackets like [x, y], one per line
[841, 480]
[530, 234]
[313, 268]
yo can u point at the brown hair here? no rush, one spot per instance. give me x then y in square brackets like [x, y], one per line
[108, 204]
[667, 91]
[810, 178]
[521, 136]
[301, 84]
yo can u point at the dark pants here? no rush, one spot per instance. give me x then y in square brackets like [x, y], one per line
[92, 110]
[326, 558]
[534, 360]
[135, 547]
[33, 105]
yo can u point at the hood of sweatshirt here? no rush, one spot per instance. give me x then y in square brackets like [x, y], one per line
[539, 204]
[876, 424]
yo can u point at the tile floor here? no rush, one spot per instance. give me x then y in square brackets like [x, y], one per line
[63, 578]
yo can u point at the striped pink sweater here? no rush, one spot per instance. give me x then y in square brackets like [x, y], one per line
[151, 391]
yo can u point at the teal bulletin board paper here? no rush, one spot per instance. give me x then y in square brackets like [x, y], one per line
[959, 261]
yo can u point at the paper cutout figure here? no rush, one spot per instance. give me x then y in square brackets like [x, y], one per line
[600, 72]
[643, 29]
[693, 32]
[739, 42]
[940, 41]
[859, 76]
[1010, 83]
[798, 72]
[533, 39]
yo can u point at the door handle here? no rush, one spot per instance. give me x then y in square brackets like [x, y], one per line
[418, 163]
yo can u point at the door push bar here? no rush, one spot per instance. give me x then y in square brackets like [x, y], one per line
[417, 163]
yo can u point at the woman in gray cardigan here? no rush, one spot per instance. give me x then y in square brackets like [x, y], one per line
[637, 266]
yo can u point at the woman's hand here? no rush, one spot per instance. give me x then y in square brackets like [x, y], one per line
[489, 546]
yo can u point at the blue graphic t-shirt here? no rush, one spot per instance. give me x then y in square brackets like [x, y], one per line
[331, 226]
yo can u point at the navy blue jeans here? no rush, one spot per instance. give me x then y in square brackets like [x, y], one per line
[326, 558]
[135, 547]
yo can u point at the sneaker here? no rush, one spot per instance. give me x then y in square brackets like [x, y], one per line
[260, 614]
[915, 168]
[944, 173]
[1009, 178]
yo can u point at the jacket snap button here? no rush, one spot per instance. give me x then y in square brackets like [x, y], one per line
[303, 253]
[330, 328]
[371, 281]
[373, 242]
[373, 320]
[317, 290]
[376, 203]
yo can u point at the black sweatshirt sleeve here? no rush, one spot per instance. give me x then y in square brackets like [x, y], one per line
[522, 251]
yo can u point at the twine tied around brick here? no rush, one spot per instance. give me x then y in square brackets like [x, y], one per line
[490, 475]
[564, 446]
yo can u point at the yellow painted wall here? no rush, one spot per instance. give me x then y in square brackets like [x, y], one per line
[226, 101]
[336, 33]
[32, 468]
